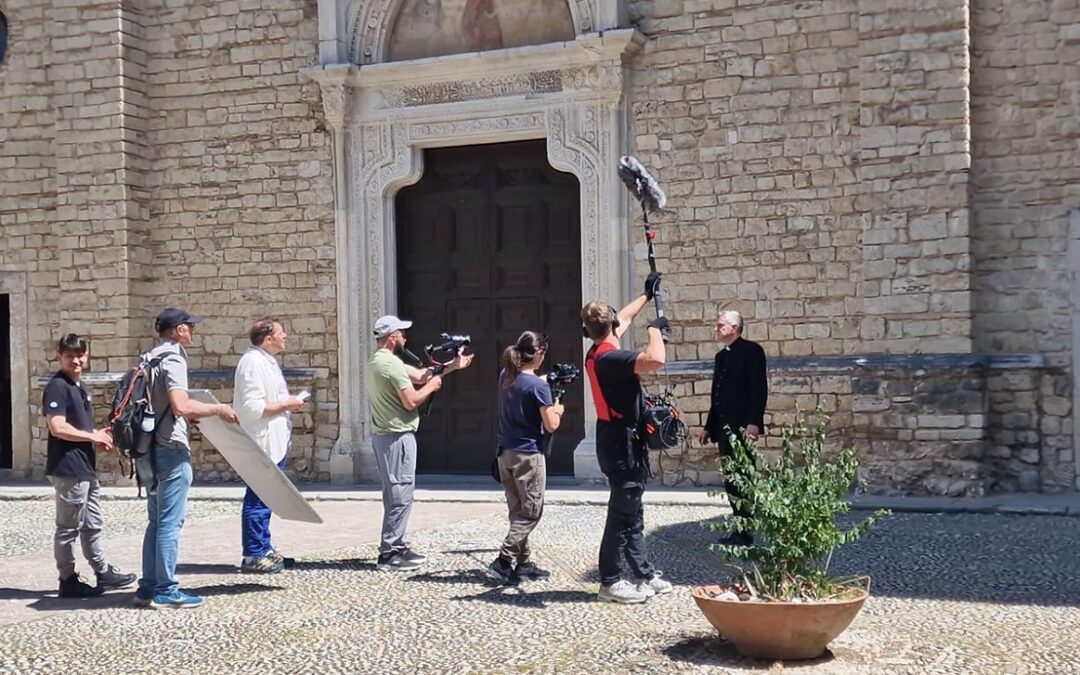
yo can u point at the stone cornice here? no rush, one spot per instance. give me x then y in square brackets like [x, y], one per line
[594, 48]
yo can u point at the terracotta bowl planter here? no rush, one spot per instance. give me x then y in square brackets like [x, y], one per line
[777, 630]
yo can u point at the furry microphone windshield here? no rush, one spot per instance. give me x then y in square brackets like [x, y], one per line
[641, 184]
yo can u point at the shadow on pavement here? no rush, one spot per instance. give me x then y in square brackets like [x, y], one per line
[475, 576]
[228, 589]
[356, 564]
[712, 650]
[996, 558]
[206, 568]
[47, 601]
[523, 596]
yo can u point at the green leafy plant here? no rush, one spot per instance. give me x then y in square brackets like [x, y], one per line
[793, 504]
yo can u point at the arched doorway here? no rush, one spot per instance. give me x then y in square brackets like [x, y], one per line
[488, 244]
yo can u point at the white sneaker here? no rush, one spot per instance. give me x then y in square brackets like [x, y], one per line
[655, 585]
[622, 591]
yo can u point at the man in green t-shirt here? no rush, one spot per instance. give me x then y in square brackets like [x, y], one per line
[396, 392]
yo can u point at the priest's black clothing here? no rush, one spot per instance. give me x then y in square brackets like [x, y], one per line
[739, 395]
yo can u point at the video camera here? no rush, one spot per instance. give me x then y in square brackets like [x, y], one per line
[560, 377]
[450, 345]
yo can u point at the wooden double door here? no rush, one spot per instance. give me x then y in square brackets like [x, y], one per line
[488, 245]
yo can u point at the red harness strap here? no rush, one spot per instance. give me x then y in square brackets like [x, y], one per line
[604, 413]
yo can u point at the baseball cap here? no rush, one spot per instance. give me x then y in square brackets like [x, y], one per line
[171, 317]
[385, 325]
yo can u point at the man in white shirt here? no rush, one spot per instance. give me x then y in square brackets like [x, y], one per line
[263, 404]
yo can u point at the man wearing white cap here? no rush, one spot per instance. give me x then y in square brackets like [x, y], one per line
[395, 401]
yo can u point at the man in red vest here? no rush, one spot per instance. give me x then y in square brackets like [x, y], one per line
[620, 447]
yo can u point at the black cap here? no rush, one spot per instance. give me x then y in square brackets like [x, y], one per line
[171, 317]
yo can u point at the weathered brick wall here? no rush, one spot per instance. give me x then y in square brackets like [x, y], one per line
[1030, 442]
[241, 201]
[181, 160]
[747, 116]
[1025, 179]
[814, 156]
[28, 168]
[919, 424]
[836, 171]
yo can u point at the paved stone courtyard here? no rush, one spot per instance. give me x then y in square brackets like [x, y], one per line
[960, 593]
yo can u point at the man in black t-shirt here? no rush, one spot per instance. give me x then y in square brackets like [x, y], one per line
[620, 449]
[71, 468]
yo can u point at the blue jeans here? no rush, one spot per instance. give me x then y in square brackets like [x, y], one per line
[166, 506]
[255, 524]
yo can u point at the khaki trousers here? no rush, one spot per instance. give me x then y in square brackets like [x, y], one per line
[524, 478]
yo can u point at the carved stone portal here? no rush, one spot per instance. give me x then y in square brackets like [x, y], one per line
[570, 94]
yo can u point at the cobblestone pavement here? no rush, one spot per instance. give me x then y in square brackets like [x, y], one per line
[961, 593]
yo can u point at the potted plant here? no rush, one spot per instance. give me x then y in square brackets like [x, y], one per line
[787, 606]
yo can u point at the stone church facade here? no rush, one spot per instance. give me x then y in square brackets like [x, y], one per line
[888, 190]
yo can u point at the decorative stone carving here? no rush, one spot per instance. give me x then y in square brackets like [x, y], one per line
[543, 82]
[334, 104]
[605, 77]
[570, 94]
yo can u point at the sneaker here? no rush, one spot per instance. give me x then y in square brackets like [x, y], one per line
[286, 562]
[142, 598]
[530, 572]
[413, 556]
[655, 585]
[502, 571]
[114, 578]
[395, 562]
[622, 591]
[262, 565]
[176, 600]
[74, 587]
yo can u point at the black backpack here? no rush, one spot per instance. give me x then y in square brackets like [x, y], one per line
[130, 405]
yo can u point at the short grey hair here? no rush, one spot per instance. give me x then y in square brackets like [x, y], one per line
[731, 316]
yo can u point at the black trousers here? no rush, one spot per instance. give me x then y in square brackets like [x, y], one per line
[623, 459]
[624, 531]
[726, 450]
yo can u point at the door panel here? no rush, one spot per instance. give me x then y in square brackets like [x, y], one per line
[489, 246]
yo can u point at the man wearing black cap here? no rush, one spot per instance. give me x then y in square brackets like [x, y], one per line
[166, 470]
[395, 399]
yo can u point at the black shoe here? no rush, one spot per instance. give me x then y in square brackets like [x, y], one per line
[114, 578]
[530, 572]
[501, 570]
[74, 587]
[413, 556]
[395, 562]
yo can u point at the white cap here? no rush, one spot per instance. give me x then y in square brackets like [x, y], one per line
[385, 325]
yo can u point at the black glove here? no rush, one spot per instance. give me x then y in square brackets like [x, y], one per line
[652, 285]
[661, 324]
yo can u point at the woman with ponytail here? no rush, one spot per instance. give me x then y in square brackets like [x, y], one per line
[527, 414]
